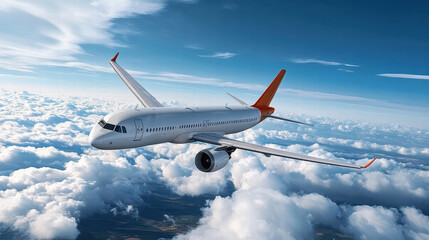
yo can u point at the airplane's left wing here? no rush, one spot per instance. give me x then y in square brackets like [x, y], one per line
[142, 95]
[223, 141]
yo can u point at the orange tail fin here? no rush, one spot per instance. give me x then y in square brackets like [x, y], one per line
[267, 96]
[263, 103]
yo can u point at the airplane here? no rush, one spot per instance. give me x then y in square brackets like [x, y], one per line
[156, 124]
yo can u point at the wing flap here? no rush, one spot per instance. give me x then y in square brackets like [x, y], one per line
[220, 140]
[142, 94]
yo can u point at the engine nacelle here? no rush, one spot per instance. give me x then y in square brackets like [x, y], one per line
[210, 160]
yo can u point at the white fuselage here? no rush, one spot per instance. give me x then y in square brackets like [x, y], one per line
[177, 125]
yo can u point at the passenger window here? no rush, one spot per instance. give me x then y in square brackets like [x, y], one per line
[124, 130]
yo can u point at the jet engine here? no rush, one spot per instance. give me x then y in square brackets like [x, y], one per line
[213, 159]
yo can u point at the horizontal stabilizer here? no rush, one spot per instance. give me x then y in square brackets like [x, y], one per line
[285, 119]
[237, 99]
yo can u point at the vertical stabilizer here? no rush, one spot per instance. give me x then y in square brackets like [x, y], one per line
[263, 103]
[267, 96]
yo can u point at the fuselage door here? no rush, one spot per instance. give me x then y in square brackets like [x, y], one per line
[206, 123]
[139, 129]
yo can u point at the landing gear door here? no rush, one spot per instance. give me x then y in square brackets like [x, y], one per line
[139, 129]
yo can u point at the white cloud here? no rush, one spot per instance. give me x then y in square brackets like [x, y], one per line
[253, 214]
[14, 76]
[170, 219]
[345, 70]
[416, 223]
[223, 55]
[193, 46]
[407, 76]
[62, 28]
[32, 197]
[352, 99]
[15, 157]
[60, 226]
[323, 62]
[374, 223]
[268, 214]
[359, 144]
[184, 78]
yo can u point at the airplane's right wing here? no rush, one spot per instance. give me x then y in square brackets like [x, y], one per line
[142, 95]
[226, 142]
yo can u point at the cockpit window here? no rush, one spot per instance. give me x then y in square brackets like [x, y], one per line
[109, 126]
[118, 129]
[102, 123]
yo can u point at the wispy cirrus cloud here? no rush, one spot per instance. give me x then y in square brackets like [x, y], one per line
[61, 29]
[403, 75]
[193, 46]
[345, 70]
[323, 62]
[216, 82]
[230, 6]
[14, 76]
[222, 55]
[351, 99]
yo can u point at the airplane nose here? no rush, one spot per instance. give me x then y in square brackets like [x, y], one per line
[96, 140]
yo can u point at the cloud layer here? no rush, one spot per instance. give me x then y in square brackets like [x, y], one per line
[49, 174]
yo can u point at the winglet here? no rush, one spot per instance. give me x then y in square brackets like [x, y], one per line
[114, 58]
[367, 165]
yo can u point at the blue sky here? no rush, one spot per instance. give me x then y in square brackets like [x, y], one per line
[362, 60]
